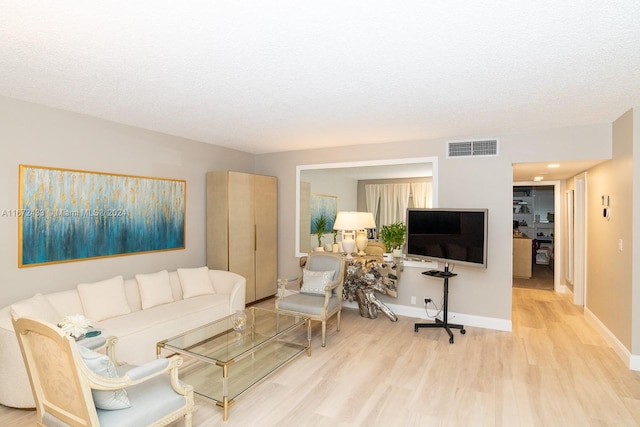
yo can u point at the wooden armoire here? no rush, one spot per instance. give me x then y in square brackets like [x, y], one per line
[242, 232]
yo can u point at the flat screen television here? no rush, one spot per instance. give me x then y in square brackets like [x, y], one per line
[455, 236]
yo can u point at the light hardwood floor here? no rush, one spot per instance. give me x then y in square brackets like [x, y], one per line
[552, 370]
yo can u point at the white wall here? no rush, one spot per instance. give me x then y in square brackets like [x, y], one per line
[476, 182]
[43, 136]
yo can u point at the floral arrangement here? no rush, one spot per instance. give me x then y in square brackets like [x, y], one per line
[75, 325]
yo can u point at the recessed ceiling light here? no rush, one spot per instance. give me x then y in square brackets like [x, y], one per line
[553, 165]
[538, 178]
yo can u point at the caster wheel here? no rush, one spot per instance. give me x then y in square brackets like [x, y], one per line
[450, 340]
[462, 331]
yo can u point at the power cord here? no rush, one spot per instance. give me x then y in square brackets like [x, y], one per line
[438, 309]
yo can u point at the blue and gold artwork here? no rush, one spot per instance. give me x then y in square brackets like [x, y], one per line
[71, 215]
[323, 205]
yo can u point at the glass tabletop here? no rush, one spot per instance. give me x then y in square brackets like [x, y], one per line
[220, 343]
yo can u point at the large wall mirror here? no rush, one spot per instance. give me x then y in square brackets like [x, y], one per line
[340, 187]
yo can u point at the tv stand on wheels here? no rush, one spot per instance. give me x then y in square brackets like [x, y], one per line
[444, 323]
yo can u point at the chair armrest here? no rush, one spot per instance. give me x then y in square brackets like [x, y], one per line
[136, 375]
[282, 286]
[93, 343]
[101, 343]
[148, 370]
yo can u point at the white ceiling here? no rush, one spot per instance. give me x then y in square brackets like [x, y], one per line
[267, 76]
[564, 170]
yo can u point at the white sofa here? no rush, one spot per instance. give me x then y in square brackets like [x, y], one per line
[139, 311]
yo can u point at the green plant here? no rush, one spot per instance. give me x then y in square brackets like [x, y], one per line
[320, 224]
[335, 232]
[393, 235]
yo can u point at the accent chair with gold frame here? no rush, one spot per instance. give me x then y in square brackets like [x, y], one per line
[320, 295]
[66, 385]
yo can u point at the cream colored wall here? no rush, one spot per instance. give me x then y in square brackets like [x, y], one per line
[43, 136]
[49, 137]
[475, 182]
[609, 269]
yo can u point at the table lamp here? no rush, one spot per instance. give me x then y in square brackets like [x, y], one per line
[349, 223]
[366, 221]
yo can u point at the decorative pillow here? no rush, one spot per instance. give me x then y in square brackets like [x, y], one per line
[102, 365]
[314, 282]
[195, 281]
[37, 307]
[105, 299]
[155, 289]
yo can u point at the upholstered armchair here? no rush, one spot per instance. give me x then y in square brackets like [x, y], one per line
[320, 295]
[73, 385]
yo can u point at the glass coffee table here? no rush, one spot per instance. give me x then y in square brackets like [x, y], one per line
[230, 355]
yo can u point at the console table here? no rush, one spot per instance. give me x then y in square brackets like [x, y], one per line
[444, 323]
[367, 275]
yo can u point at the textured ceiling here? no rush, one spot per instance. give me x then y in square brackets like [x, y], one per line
[266, 76]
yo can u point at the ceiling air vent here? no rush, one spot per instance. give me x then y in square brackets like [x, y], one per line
[483, 147]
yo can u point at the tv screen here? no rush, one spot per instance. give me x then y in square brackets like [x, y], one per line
[457, 236]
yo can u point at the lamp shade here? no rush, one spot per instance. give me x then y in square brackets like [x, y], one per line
[349, 221]
[367, 220]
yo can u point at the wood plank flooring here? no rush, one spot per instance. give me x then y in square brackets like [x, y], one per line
[552, 370]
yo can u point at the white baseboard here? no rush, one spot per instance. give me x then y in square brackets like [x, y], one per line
[465, 319]
[631, 360]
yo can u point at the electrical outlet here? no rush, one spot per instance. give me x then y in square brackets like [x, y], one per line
[413, 300]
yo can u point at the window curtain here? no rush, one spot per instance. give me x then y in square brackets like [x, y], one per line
[389, 202]
[402, 192]
[421, 195]
[372, 194]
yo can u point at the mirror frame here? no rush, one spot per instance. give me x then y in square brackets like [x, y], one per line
[352, 164]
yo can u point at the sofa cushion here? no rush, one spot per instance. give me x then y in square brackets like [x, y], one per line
[102, 365]
[38, 307]
[195, 282]
[104, 299]
[314, 282]
[155, 289]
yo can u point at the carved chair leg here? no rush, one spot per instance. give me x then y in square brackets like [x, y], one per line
[339, 311]
[324, 332]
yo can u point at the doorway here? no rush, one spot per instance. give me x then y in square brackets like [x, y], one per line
[534, 222]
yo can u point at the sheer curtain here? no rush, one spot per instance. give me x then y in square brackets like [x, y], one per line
[389, 202]
[403, 192]
[372, 193]
[421, 194]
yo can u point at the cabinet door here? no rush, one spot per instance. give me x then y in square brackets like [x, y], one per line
[266, 225]
[242, 237]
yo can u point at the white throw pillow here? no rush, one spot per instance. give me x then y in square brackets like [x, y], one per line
[102, 365]
[314, 282]
[195, 281]
[37, 307]
[155, 289]
[104, 299]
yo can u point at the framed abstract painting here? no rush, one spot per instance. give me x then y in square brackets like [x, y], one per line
[71, 215]
[323, 205]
